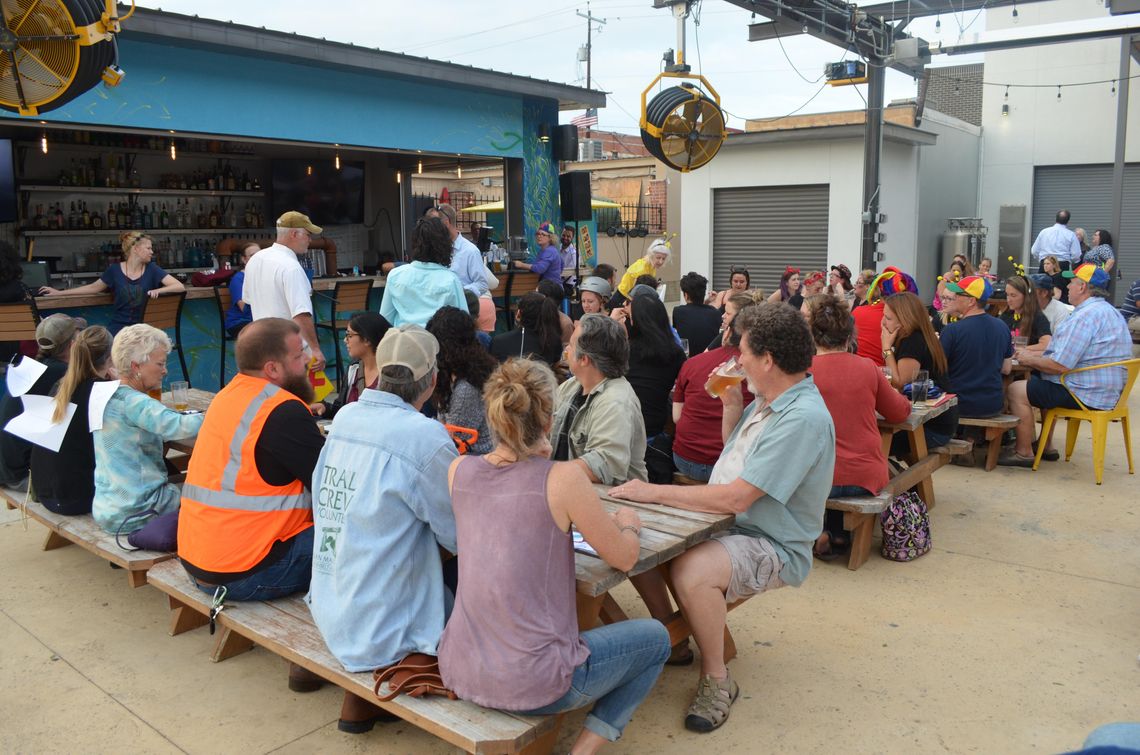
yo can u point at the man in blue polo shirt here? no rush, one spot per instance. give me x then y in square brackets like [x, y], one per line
[978, 348]
[1094, 334]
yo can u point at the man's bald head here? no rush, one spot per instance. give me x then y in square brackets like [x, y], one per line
[263, 341]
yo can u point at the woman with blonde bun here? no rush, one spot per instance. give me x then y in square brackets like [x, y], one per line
[513, 640]
[129, 281]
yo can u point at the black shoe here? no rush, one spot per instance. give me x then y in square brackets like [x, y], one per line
[1051, 454]
[358, 715]
[1012, 459]
[303, 680]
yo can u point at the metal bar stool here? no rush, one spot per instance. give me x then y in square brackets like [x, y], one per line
[349, 297]
[165, 313]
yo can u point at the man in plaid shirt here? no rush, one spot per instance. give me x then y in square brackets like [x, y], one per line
[1094, 334]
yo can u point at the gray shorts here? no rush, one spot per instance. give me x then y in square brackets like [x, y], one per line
[755, 565]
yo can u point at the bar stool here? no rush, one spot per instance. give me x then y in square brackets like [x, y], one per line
[164, 313]
[223, 298]
[349, 298]
[18, 322]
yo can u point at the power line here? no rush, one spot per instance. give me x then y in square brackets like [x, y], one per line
[468, 35]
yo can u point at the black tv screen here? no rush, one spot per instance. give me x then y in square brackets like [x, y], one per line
[315, 187]
[7, 183]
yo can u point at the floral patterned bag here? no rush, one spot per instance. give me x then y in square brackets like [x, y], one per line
[906, 528]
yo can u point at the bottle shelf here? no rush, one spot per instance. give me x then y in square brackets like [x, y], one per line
[54, 189]
[31, 234]
[34, 149]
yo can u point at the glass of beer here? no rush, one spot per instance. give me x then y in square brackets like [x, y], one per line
[155, 393]
[728, 374]
[180, 391]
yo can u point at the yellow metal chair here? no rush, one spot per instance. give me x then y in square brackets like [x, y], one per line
[1098, 419]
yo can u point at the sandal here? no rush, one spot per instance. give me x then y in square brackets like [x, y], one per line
[830, 547]
[681, 655]
[709, 709]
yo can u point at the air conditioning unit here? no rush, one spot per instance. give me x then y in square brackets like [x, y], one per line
[590, 149]
[486, 181]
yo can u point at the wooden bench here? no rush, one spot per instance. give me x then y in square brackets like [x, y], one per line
[861, 512]
[995, 428]
[84, 532]
[285, 627]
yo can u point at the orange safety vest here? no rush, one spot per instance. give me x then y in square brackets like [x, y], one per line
[231, 517]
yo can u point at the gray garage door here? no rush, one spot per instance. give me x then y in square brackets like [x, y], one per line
[766, 228]
[1086, 192]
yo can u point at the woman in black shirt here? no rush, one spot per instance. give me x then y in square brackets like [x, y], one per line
[655, 358]
[910, 345]
[1024, 317]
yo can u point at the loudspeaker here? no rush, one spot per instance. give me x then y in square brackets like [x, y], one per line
[574, 193]
[565, 143]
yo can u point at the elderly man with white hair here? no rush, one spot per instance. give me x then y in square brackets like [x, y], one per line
[276, 284]
[131, 478]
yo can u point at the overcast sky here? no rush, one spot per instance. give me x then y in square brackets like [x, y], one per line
[755, 79]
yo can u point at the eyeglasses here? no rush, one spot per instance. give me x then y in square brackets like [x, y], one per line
[349, 334]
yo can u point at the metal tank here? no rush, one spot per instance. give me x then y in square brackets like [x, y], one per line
[965, 236]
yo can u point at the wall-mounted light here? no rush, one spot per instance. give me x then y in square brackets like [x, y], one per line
[399, 177]
[543, 132]
[43, 142]
[1005, 111]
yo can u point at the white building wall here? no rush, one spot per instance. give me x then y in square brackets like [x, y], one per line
[1080, 128]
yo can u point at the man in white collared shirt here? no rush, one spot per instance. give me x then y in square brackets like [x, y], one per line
[1057, 240]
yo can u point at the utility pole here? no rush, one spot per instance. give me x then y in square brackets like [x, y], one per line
[590, 19]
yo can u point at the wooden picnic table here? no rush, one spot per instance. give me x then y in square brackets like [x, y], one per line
[922, 462]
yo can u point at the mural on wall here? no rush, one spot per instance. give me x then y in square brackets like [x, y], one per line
[540, 169]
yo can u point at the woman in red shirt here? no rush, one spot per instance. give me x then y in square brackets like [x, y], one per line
[854, 389]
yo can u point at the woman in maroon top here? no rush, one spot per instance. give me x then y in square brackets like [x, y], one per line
[361, 337]
[853, 389]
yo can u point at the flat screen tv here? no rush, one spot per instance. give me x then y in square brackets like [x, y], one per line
[315, 187]
[7, 183]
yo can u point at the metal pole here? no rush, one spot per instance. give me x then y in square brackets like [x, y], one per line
[1121, 136]
[872, 156]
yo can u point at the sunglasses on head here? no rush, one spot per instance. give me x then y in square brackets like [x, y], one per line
[734, 270]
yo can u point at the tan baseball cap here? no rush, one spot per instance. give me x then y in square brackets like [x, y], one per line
[294, 219]
[56, 330]
[407, 346]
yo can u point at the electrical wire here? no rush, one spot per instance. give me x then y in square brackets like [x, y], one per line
[1033, 86]
[468, 35]
[776, 30]
[778, 117]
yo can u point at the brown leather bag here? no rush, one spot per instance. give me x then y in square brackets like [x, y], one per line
[416, 676]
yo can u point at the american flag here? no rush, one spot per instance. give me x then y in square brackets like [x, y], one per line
[587, 119]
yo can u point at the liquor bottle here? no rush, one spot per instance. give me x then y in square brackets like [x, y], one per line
[59, 221]
[96, 221]
[124, 215]
[112, 216]
[164, 218]
[121, 172]
[231, 182]
[213, 217]
[86, 217]
[202, 218]
[135, 215]
[73, 219]
[246, 183]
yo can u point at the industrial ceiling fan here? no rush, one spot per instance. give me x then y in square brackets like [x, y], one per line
[52, 51]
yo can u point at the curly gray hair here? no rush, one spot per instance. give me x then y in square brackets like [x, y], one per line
[135, 343]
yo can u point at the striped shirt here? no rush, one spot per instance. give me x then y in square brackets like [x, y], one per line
[1129, 308]
[1094, 334]
[1059, 241]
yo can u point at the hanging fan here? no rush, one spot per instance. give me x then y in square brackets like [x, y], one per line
[52, 51]
[682, 126]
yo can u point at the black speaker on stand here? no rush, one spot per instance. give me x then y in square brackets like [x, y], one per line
[565, 143]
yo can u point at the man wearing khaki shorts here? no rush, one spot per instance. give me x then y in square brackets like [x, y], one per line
[775, 473]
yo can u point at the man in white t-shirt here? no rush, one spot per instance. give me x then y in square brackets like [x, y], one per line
[276, 284]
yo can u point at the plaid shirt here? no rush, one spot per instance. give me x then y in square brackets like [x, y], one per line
[1094, 334]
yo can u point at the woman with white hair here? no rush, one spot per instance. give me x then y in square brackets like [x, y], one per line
[655, 258]
[131, 485]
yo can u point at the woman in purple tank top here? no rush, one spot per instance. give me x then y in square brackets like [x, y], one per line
[512, 641]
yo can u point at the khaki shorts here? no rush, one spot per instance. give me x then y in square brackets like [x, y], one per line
[755, 566]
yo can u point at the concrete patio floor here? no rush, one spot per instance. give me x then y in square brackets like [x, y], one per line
[1016, 634]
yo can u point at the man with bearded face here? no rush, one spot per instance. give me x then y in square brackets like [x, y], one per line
[247, 519]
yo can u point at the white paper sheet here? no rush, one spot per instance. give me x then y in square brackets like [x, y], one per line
[35, 425]
[101, 393]
[24, 375]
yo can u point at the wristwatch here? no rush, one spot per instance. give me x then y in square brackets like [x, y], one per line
[888, 353]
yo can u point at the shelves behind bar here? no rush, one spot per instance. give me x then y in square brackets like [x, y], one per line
[31, 234]
[52, 189]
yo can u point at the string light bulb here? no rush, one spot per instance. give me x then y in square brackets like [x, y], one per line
[459, 167]
[1007, 92]
[1015, 14]
[1113, 92]
[399, 177]
[1058, 93]
[43, 143]
[309, 171]
[938, 25]
[420, 167]
[336, 160]
[173, 150]
[1005, 111]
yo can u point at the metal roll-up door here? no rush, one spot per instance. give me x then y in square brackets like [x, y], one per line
[1086, 192]
[766, 228]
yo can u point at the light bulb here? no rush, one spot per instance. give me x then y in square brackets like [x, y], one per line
[399, 177]
[43, 143]
[337, 161]
[420, 167]
[173, 151]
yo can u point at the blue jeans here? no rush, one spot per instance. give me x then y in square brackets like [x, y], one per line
[1123, 735]
[625, 660]
[288, 575]
[697, 471]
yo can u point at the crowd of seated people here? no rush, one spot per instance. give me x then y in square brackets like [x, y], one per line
[269, 507]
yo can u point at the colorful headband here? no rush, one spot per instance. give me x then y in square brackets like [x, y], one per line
[889, 282]
[789, 270]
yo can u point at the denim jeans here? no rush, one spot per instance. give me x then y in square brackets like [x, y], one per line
[288, 575]
[625, 660]
[696, 470]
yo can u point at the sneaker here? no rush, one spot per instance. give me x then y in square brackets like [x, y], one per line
[1013, 459]
[709, 709]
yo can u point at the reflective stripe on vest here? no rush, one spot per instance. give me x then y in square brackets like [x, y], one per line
[227, 499]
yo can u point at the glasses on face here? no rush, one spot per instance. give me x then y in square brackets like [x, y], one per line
[349, 334]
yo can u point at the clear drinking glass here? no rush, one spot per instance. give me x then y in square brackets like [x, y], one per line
[1020, 342]
[919, 387]
[685, 346]
[180, 391]
[728, 374]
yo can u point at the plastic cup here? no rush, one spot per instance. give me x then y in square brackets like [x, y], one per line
[919, 387]
[180, 391]
[727, 375]
[1020, 342]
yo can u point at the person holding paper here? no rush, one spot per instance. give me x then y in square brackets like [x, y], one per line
[131, 485]
[64, 480]
[53, 336]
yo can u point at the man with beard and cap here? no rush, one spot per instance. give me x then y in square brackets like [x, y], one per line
[246, 522]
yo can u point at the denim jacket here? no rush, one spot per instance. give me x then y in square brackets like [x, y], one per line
[381, 509]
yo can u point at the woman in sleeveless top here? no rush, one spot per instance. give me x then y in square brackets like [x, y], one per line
[512, 641]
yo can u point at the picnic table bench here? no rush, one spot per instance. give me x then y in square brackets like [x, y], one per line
[84, 532]
[285, 627]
